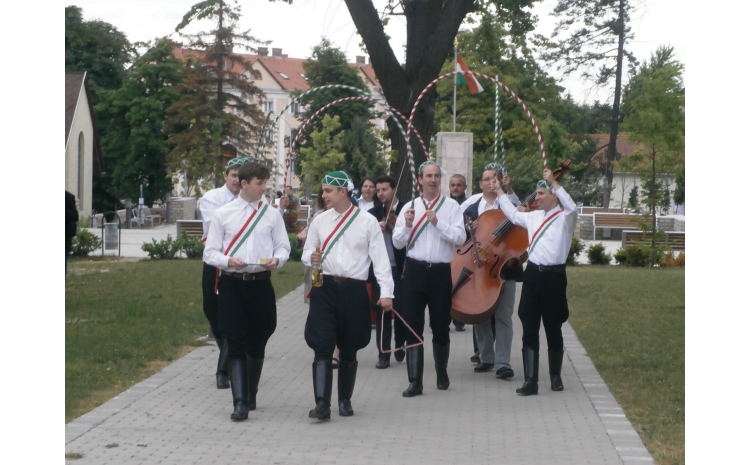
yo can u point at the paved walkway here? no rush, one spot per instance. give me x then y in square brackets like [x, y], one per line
[178, 416]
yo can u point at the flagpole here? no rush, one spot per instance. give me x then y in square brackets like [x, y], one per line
[455, 60]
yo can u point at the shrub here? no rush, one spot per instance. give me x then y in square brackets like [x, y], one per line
[85, 242]
[597, 255]
[576, 247]
[672, 261]
[639, 255]
[192, 246]
[164, 249]
[296, 253]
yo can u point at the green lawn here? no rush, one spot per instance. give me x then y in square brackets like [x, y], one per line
[125, 320]
[632, 323]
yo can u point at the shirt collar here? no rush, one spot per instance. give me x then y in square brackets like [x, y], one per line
[255, 205]
[552, 212]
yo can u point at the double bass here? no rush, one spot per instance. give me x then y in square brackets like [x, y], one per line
[496, 247]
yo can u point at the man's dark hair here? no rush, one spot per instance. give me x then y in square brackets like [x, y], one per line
[251, 170]
[385, 178]
[279, 194]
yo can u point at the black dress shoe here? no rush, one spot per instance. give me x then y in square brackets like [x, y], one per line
[504, 373]
[483, 367]
[322, 411]
[383, 363]
[460, 327]
[475, 359]
[399, 354]
[345, 408]
[240, 411]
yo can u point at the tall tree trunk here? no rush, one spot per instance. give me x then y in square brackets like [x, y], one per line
[615, 123]
[219, 96]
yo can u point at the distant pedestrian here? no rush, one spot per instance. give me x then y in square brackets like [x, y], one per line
[71, 220]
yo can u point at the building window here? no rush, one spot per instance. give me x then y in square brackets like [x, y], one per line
[294, 108]
[303, 76]
[257, 76]
[283, 75]
[268, 106]
[81, 166]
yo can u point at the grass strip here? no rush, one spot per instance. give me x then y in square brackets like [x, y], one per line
[632, 323]
[126, 320]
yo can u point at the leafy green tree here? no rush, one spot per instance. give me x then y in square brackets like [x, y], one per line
[324, 153]
[431, 26]
[103, 52]
[679, 192]
[218, 103]
[98, 48]
[489, 49]
[136, 144]
[665, 201]
[596, 47]
[654, 106]
[328, 65]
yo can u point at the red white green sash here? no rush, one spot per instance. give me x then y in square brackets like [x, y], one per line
[328, 244]
[245, 231]
[548, 222]
[422, 224]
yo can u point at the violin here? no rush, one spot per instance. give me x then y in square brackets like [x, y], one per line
[389, 216]
[496, 248]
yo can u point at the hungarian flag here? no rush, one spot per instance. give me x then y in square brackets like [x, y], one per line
[467, 79]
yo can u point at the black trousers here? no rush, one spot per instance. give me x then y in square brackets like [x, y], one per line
[210, 299]
[399, 330]
[429, 286]
[247, 315]
[543, 299]
[339, 315]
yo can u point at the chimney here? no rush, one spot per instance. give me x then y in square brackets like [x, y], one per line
[263, 51]
[276, 52]
[360, 60]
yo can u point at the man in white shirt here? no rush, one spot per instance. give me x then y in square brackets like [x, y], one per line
[499, 328]
[247, 240]
[543, 297]
[342, 241]
[430, 227]
[209, 203]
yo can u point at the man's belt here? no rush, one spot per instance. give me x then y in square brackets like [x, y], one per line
[248, 276]
[341, 279]
[424, 264]
[560, 269]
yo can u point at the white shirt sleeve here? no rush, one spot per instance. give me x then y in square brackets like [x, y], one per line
[380, 262]
[281, 246]
[213, 253]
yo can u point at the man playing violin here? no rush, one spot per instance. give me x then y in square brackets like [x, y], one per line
[499, 328]
[386, 213]
[543, 296]
[429, 229]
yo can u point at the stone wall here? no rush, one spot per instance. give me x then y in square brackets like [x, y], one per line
[183, 208]
[455, 154]
[585, 227]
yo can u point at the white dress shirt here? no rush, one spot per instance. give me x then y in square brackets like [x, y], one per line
[364, 204]
[361, 244]
[267, 240]
[436, 244]
[482, 205]
[212, 201]
[552, 248]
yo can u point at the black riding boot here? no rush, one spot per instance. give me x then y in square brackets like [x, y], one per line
[415, 368]
[441, 354]
[555, 365]
[222, 368]
[322, 386]
[347, 377]
[530, 372]
[239, 389]
[254, 368]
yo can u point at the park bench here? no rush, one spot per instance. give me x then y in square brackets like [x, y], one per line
[674, 239]
[190, 227]
[606, 222]
[592, 210]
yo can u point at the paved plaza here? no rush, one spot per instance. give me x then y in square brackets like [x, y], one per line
[177, 416]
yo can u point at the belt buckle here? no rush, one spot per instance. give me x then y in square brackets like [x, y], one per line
[429, 265]
[247, 277]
